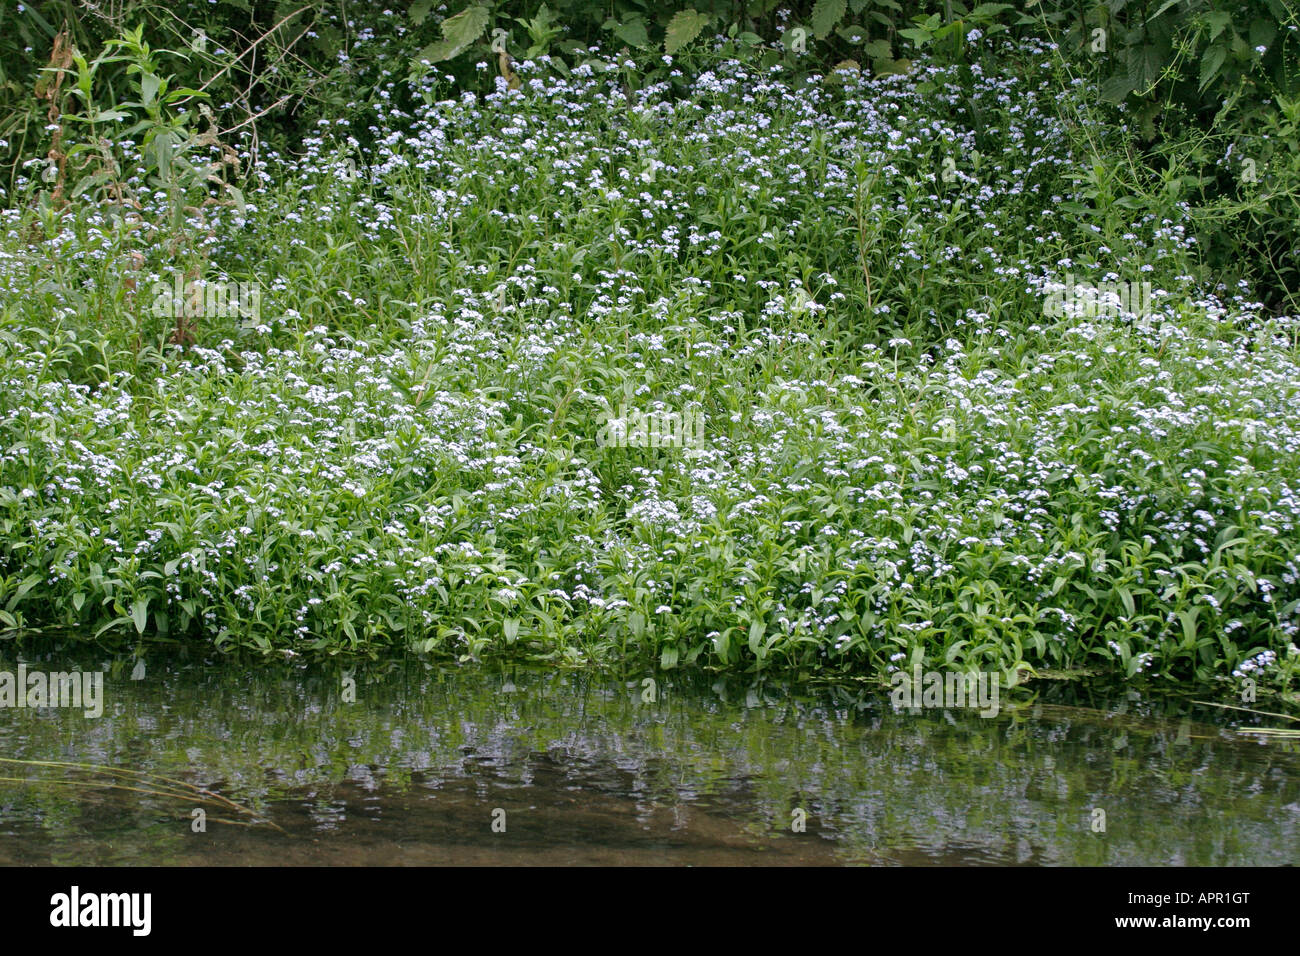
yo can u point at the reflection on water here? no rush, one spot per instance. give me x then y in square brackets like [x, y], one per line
[587, 770]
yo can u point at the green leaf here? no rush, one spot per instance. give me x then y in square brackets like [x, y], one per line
[878, 50]
[115, 623]
[182, 92]
[684, 27]
[1126, 597]
[1116, 88]
[633, 33]
[1262, 33]
[852, 33]
[458, 32]
[825, 14]
[27, 584]
[1144, 67]
[150, 84]
[419, 10]
[1218, 21]
[987, 11]
[140, 614]
[1211, 63]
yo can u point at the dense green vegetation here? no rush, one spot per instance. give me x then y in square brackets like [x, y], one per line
[879, 293]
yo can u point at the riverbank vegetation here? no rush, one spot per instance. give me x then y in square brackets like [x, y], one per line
[988, 364]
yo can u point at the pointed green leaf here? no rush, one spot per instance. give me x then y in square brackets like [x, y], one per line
[140, 614]
[1211, 62]
[684, 27]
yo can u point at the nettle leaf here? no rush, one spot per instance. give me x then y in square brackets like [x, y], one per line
[1218, 21]
[419, 11]
[1262, 33]
[1211, 63]
[684, 27]
[458, 32]
[825, 14]
[1116, 88]
[1144, 66]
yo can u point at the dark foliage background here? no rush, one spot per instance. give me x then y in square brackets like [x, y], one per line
[1206, 91]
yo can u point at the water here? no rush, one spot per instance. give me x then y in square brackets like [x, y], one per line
[588, 771]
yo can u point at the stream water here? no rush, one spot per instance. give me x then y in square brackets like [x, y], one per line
[408, 763]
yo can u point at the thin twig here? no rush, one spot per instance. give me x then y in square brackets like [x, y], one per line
[181, 789]
[1262, 713]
